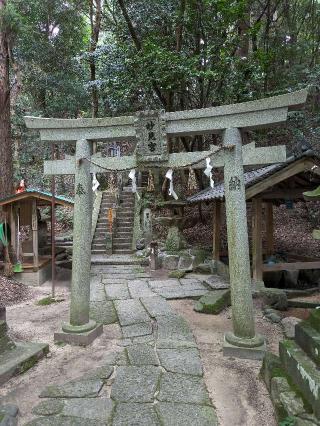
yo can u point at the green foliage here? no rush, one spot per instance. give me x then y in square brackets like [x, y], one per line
[48, 301]
[288, 421]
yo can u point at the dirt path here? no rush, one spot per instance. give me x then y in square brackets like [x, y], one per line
[240, 397]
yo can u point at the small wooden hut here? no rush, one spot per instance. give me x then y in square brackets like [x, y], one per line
[266, 187]
[22, 213]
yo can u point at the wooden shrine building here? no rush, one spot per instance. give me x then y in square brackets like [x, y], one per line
[28, 245]
[266, 187]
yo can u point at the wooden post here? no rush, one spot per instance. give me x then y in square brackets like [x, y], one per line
[35, 235]
[13, 228]
[216, 230]
[269, 228]
[257, 239]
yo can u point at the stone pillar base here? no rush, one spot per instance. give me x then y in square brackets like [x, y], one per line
[255, 352]
[79, 339]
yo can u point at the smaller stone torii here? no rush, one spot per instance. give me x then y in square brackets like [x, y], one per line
[151, 130]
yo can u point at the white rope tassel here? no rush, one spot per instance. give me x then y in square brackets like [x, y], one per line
[95, 183]
[208, 172]
[171, 190]
[132, 176]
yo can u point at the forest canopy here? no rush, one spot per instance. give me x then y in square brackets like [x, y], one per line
[95, 58]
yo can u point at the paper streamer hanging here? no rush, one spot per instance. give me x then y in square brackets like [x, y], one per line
[208, 172]
[171, 190]
[95, 183]
[132, 176]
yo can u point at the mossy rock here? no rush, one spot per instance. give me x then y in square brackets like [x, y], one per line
[213, 302]
[177, 274]
[271, 367]
[314, 319]
[275, 298]
[175, 240]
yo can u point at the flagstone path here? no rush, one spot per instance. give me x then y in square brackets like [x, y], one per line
[157, 377]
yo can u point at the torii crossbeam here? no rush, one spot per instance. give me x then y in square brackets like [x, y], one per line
[151, 130]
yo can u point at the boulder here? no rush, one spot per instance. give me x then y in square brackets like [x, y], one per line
[213, 302]
[275, 298]
[170, 261]
[203, 268]
[186, 263]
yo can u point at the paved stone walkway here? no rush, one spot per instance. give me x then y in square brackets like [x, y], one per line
[157, 377]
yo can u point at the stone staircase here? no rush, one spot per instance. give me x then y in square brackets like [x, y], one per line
[294, 379]
[122, 236]
[122, 240]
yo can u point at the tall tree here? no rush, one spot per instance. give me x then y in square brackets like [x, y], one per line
[6, 169]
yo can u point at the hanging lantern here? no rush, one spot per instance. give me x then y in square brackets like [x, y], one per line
[150, 187]
[192, 181]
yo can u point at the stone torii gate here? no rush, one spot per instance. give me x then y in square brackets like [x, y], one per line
[151, 129]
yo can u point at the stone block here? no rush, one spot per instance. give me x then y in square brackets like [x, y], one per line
[186, 263]
[143, 354]
[288, 325]
[274, 298]
[184, 361]
[303, 372]
[175, 414]
[117, 291]
[177, 274]
[137, 330]
[216, 282]
[64, 421]
[135, 384]
[203, 268]
[173, 328]
[271, 367]
[292, 404]
[156, 306]
[49, 407]
[182, 388]
[139, 288]
[79, 388]
[89, 408]
[309, 340]
[130, 312]
[20, 359]
[131, 414]
[79, 339]
[103, 312]
[170, 262]
[255, 353]
[213, 302]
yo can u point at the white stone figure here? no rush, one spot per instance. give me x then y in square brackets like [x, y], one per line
[95, 183]
[208, 172]
[171, 190]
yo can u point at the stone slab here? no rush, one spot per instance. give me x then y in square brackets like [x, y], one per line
[184, 361]
[137, 330]
[20, 359]
[139, 288]
[89, 408]
[142, 354]
[114, 281]
[117, 292]
[135, 384]
[64, 421]
[133, 414]
[174, 414]
[83, 388]
[173, 327]
[256, 353]
[184, 389]
[193, 285]
[215, 282]
[130, 312]
[172, 293]
[48, 407]
[154, 284]
[156, 306]
[79, 339]
[175, 343]
[213, 302]
[103, 312]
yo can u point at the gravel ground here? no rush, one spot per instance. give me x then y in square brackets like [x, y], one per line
[12, 292]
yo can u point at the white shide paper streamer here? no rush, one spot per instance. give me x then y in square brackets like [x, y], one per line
[171, 190]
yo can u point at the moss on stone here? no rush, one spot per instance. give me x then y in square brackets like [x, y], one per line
[29, 363]
[314, 319]
[177, 274]
[48, 301]
[213, 302]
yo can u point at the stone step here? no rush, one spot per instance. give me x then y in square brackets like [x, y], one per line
[121, 240]
[98, 246]
[118, 251]
[302, 371]
[309, 340]
[119, 245]
[96, 251]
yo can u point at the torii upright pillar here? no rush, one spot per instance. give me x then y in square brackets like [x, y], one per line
[80, 329]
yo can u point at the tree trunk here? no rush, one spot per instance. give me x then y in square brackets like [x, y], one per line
[6, 172]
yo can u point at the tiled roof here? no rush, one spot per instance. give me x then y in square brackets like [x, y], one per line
[250, 178]
[39, 194]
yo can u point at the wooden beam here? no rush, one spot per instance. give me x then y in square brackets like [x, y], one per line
[294, 266]
[35, 235]
[281, 175]
[13, 228]
[269, 228]
[257, 239]
[216, 230]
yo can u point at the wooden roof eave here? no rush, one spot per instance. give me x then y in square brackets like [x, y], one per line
[24, 195]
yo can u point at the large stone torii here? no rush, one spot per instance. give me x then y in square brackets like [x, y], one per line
[151, 129]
